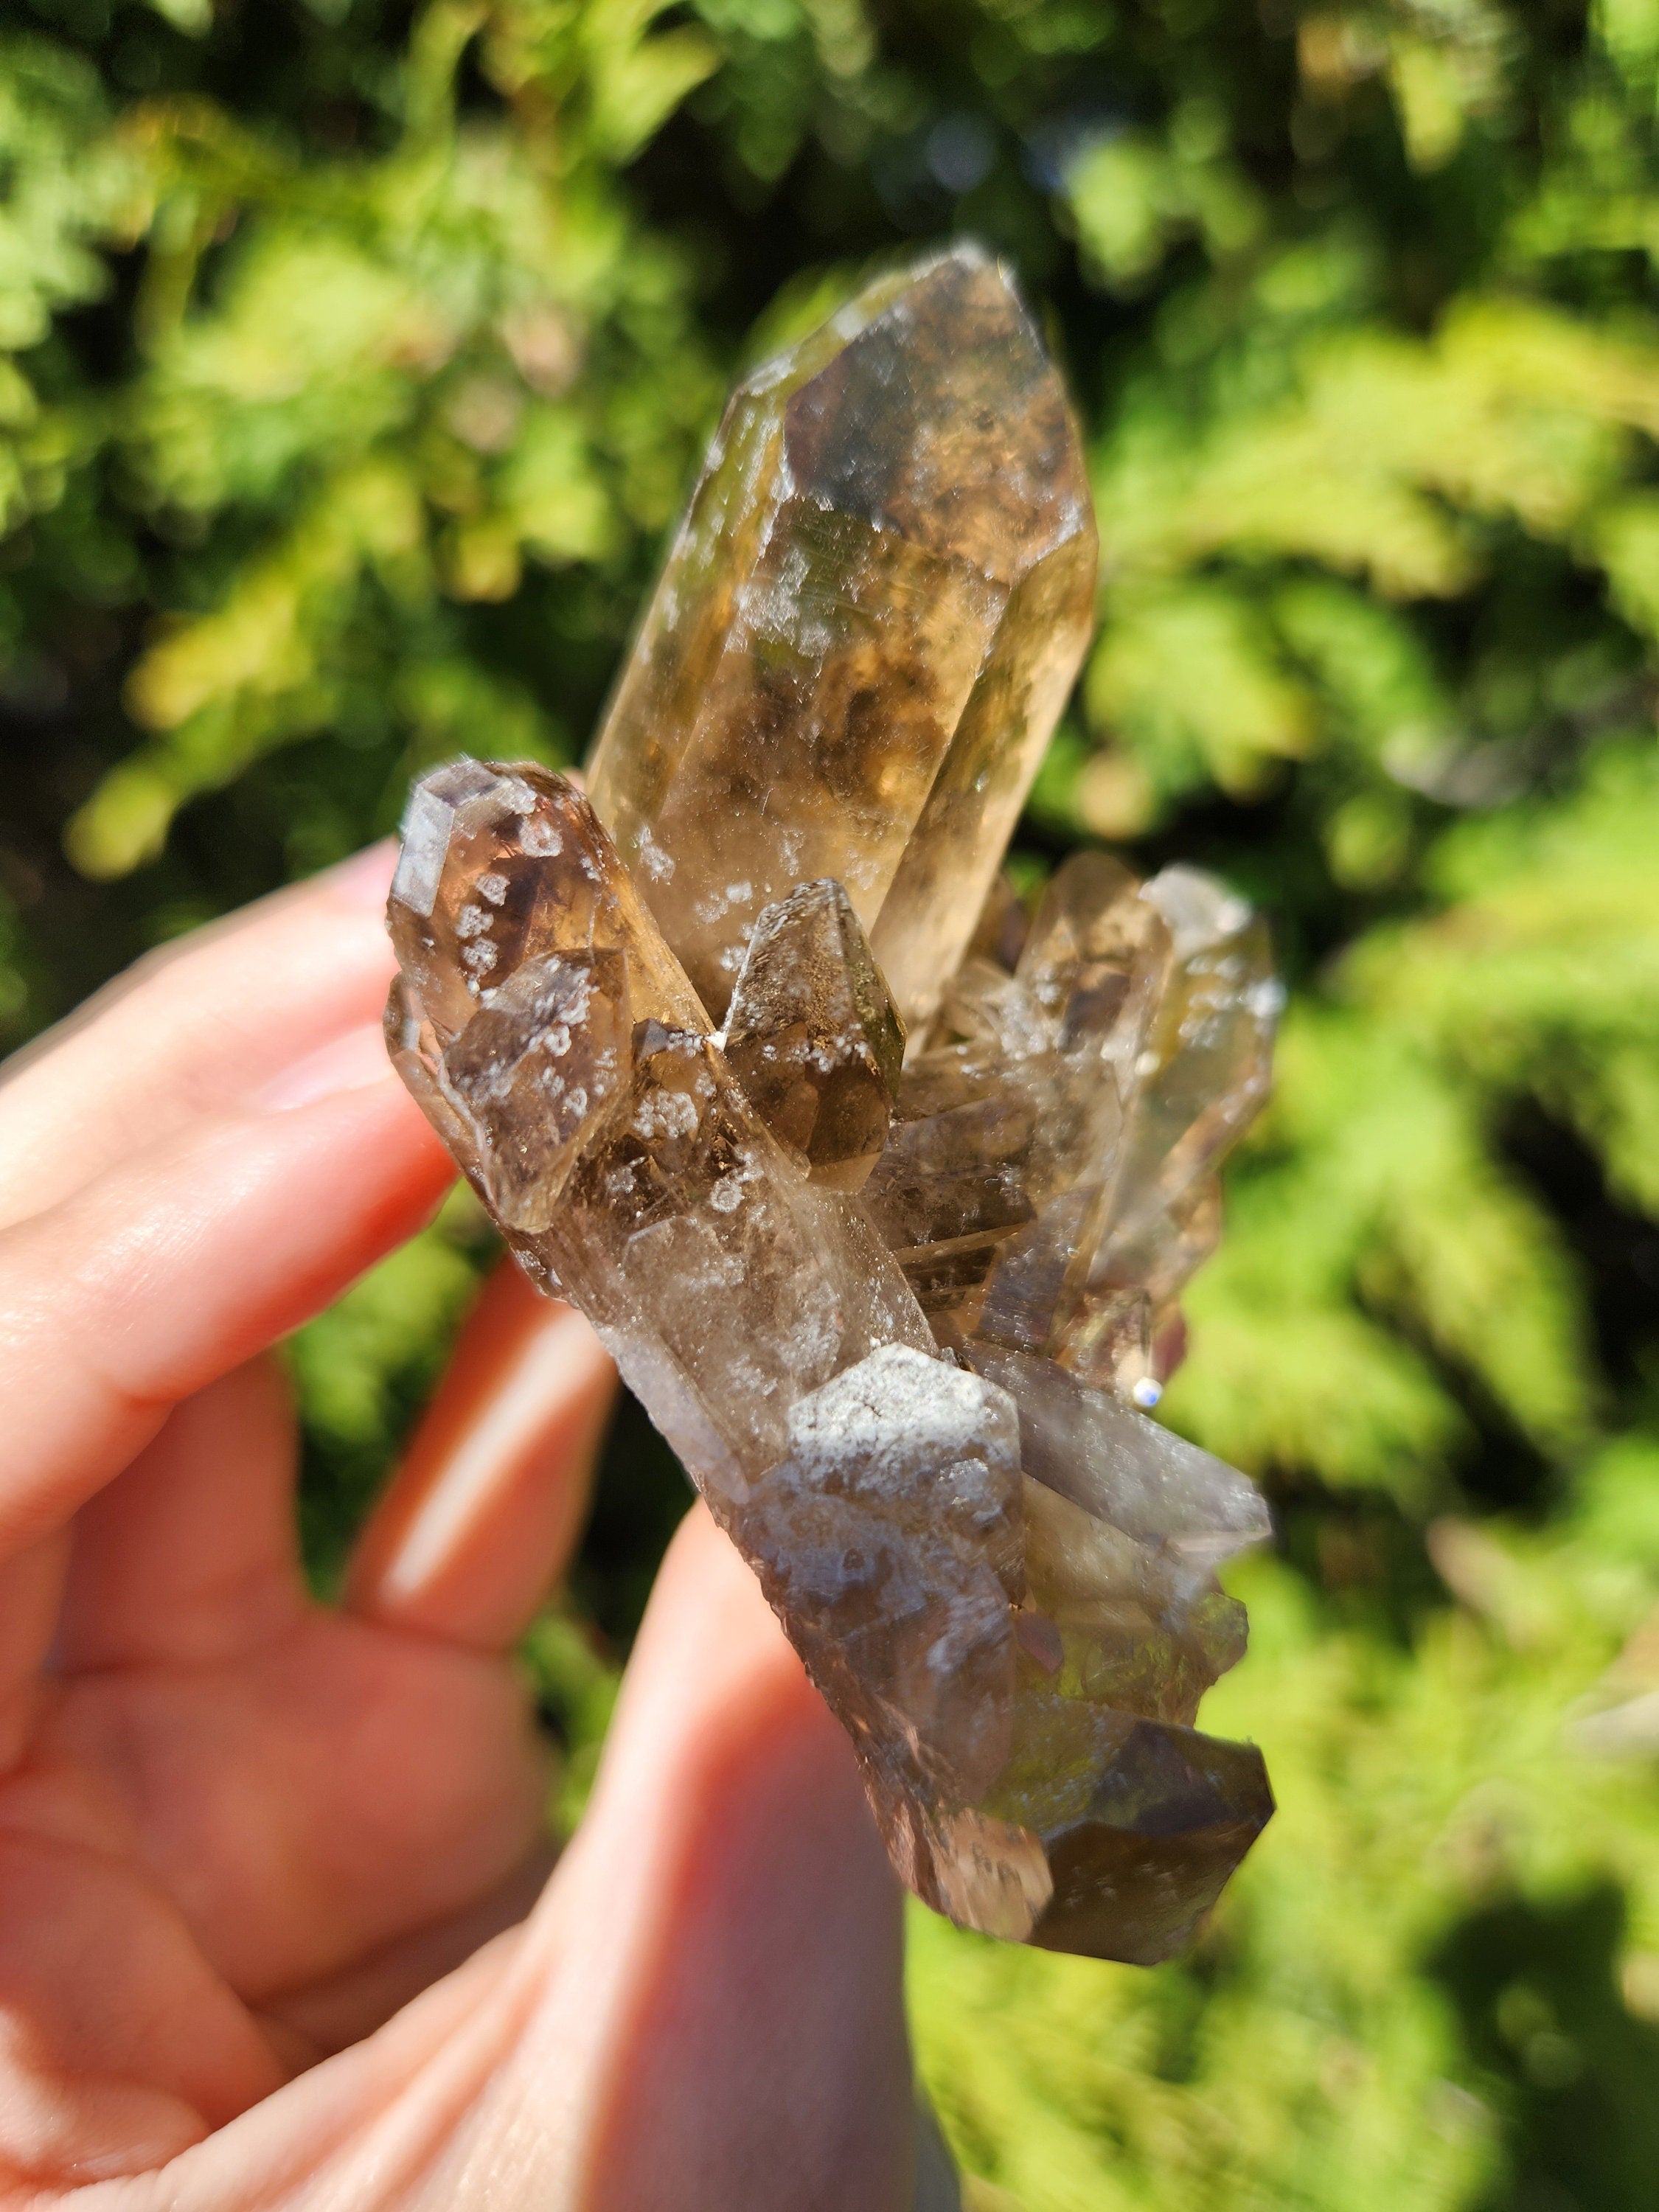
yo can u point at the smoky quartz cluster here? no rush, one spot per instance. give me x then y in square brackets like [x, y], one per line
[881, 1192]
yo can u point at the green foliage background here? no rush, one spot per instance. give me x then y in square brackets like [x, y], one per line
[354, 360]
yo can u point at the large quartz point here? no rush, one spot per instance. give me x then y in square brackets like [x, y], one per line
[864, 635]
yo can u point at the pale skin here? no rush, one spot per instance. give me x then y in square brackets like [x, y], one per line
[276, 1924]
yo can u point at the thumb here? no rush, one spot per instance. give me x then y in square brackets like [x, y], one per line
[714, 1980]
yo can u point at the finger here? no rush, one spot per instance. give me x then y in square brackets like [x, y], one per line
[482, 1515]
[181, 1263]
[165, 2053]
[324, 1799]
[189, 1556]
[711, 1991]
[200, 1028]
[704, 2012]
[356, 2133]
[31, 1587]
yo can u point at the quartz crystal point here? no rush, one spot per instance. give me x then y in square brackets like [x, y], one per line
[863, 634]
[1211, 1048]
[813, 1036]
[1002, 1580]
[996, 1188]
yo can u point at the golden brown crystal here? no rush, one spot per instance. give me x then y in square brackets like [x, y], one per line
[1141, 1818]
[813, 1036]
[895, 1320]
[1210, 1046]
[1011, 1138]
[864, 635]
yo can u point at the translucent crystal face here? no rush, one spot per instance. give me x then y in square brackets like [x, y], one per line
[863, 634]
[897, 1319]
[813, 1036]
[537, 1070]
[473, 898]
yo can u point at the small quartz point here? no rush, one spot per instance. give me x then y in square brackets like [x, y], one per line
[863, 634]
[1210, 1046]
[1012, 1138]
[1133, 1282]
[813, 1036]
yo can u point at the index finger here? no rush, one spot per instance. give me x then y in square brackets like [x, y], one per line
[203, 1025]
[235, 1188]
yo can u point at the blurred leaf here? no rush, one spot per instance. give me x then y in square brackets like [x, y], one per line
[353, 365]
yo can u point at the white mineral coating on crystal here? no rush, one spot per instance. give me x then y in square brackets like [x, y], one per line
[919, 1440]
[428, 825]
[498, 900]
[905, 1628]
[538, 1068]
[1199, 908]
[898, 1416]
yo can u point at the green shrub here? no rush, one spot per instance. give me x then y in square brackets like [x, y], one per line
[353, 361]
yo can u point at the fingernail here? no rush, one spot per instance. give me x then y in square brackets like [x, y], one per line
[346, 1062]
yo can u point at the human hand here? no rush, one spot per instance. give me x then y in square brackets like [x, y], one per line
[250, 1846]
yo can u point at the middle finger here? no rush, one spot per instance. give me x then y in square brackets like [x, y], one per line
[484, 1512]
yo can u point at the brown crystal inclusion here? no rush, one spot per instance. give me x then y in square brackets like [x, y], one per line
[896, 1320]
